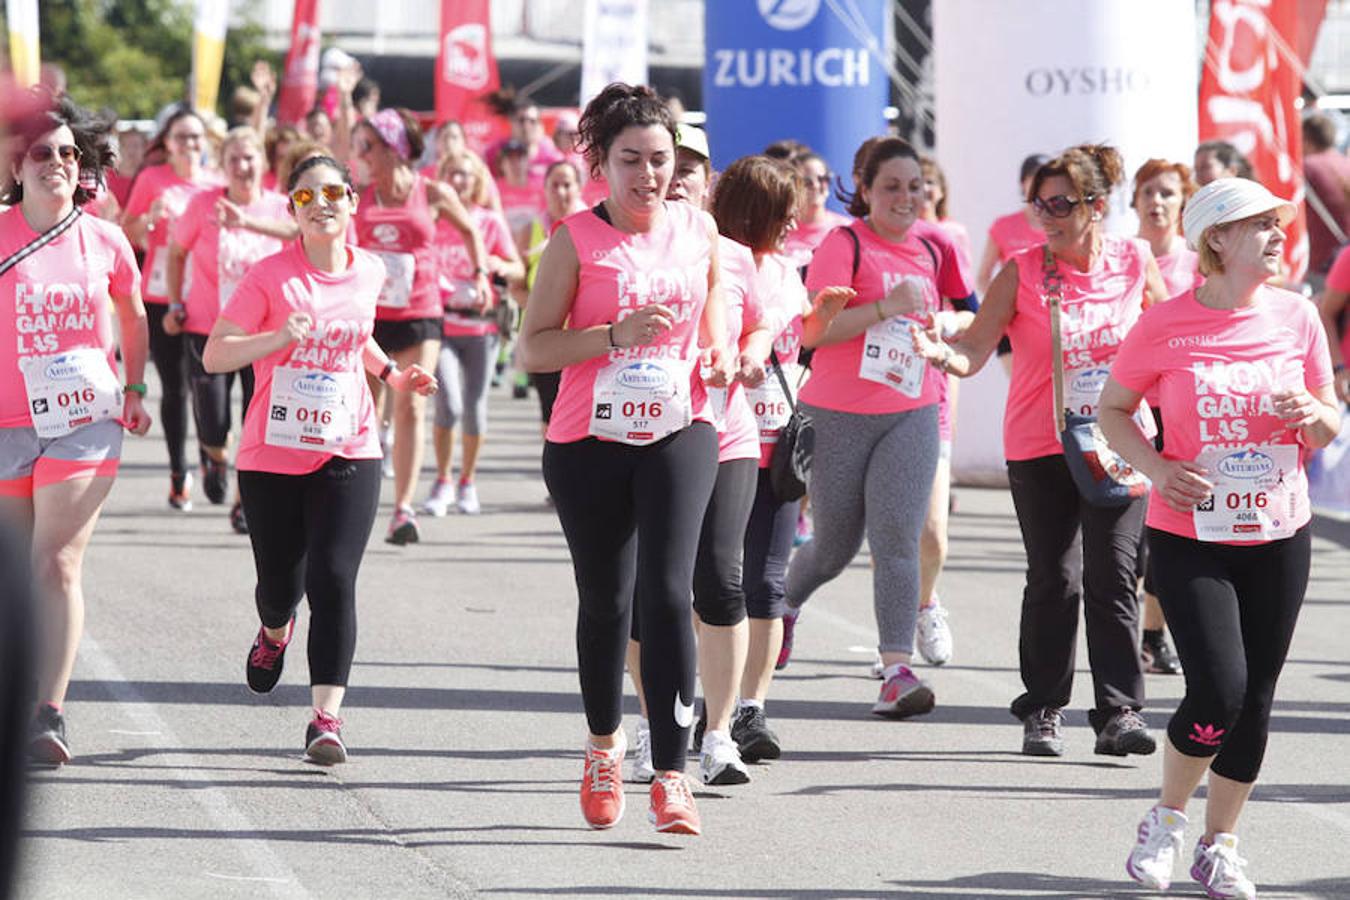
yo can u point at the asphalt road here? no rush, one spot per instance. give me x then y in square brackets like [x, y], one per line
[465, 731]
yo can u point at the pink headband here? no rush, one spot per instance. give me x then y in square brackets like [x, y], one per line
[388, 124]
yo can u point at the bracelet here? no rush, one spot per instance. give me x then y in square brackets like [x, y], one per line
[176, 307]
[389, 368]
[1338, 368]
[880, 316]
[136, 387]
[947, 354]
[612, 344]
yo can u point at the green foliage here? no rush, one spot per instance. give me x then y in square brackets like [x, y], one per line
[135, 56]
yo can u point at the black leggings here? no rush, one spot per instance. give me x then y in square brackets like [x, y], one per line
[1232, 612]
[719, 597]
[768, 546]
[1076, 553]
[309, 533]
[211, 395]
[632, 517]
[167, 351]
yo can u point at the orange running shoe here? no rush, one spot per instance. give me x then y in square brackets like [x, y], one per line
[602, 786]
[672, 806]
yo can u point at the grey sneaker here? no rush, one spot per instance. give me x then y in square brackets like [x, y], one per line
[1043, 732]
[1125, 732]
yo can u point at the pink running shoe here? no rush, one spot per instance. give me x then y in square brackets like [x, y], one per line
[903, 694]
[789, 629]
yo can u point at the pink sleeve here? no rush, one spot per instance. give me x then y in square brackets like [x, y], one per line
[1135, 364]
[832, 263]
[142, 194]
[1317, 369]
[1338, 279]
[752, 312]
[126, 275]
[189, 225]
[953, 281]
[497, 238]
[248, 305]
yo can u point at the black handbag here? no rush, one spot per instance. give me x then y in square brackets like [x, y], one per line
[1102, 476]
[790, 464]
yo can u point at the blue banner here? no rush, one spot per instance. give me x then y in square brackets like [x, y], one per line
[797, 69]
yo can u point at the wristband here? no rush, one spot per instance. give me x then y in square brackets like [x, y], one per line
[880, 317]
[176, 307]
[1338, 368]
[612, 345]
[136, 387]
[389, 369]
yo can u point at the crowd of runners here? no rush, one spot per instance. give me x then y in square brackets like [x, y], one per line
[676, 323]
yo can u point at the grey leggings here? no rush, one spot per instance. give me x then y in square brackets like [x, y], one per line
[871, 476]
[463, 372]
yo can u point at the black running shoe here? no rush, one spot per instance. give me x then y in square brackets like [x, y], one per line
[753, 736]
[1125, 732]
[699, 727]
[266, 659]
[47, 746]
[215, 480]
[323, 740]
[1042, 732]
[1158, 656]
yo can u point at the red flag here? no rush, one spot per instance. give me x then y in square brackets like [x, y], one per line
[1251, 79]
[466, 70]
[300, 80]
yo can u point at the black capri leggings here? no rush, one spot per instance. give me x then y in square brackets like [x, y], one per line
[211, 395]
[166, 350]
[719, 596]
[768, 546]
[308, 534]
[632, 517]
[1232, 612]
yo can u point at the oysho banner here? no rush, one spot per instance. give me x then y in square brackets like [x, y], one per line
[799, 69]
[1037, 76]
[614, 45]
[300, 80]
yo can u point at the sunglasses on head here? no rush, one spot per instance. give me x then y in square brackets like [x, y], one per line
[1058, 206]
[304, 196]
[41, 153]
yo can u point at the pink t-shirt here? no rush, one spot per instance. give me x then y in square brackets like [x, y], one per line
[620, 272]
[221, 256]
[404, 238]
[1012, 234]
[926, 253]
[959, 235]
[521, 205]
[1338, 279]
[152, 184]
[1098, 309]
[801, 242]
[343, 308]
[783, 296]
[738, 437]
[456, 277]
[1215, 370]
[1180, 271]
[59, 299]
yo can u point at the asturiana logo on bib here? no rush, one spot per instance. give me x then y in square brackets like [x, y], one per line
[1246, 464]
[317, 385]
[643, 376]
[63, 368]
[1090, 380]
[789, 15]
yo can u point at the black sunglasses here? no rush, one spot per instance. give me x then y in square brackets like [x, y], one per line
[41, 153]
[1058, 206]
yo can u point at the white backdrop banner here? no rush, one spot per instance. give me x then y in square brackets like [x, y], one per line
[614, 45]
[1037, 76]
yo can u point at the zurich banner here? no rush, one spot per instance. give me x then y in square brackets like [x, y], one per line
[804, 69]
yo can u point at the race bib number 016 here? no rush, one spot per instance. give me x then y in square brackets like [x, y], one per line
[1259, 494]
[770, 404]
[69, 390]
[308, 410]
[888, 357]
[640, 402]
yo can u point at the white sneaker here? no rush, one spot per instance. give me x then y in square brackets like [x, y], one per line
[642, 754]
[934, 637]
[720, 762]
[878, 667]
[1218, 868]
[438, 501]
[466, 499]
[1150, 862]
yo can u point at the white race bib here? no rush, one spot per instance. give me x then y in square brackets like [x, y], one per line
[770, 404]
[888, 357]
[1083, 392]
[308, 410]
[157, 282]
[1259, 494]
[69, 390]
[458, 294]
[396, 293]
[640, 401]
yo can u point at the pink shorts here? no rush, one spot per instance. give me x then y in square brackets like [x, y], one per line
[28, 462]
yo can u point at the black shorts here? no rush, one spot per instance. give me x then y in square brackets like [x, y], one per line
[394, 336]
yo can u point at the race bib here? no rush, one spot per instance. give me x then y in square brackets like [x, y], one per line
[641, 401]
[1083, 391]
[770, 404]
[396, 293]
[157, 282]
[458, 294]
[1259, 494]
[308, 410]
[888, 357]
[69, 390]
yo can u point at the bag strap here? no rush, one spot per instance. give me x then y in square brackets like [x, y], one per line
[857, 249]
[782, 379]
[40, 241]
[1053, 283]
